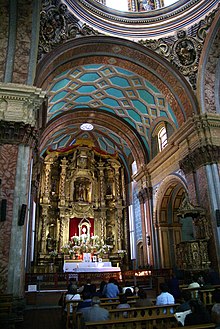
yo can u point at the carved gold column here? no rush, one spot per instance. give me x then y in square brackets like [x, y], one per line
[103, 225]
[101, 184]
[117, 181]
[44, 218]
[61, 228]
[119, 225]
[123, 184]
[62, 181]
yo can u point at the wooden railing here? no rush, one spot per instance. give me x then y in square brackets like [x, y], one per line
[60, 280]
[205, 294]
[153, 314]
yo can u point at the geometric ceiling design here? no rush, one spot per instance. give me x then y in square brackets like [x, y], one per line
[108, 88]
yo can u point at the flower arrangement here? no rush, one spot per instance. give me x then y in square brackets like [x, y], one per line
[121, 253]
[53, 253]
[85, 244]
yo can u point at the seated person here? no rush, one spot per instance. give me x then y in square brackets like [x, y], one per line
[143, 299]
[72, 295]
[199, 314]
[111, 289]
[99, 292]
[165, 298]
[185, 298]
[129, 291]
[123, 304]
[86, 302]
[136, 290]
[184, 307]
[95, 312]
[215, 311]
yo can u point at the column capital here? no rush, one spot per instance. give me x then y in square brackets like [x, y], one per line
[17, 133]
[201, 156]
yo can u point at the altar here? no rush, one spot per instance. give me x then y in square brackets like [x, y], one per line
[88, 267]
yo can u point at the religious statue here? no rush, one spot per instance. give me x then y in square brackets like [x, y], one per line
[81, 192]
[50, 244]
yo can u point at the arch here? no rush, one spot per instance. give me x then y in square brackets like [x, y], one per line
[169, 231]
[95, 117]
[140, 254]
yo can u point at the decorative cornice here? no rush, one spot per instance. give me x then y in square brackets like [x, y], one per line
[201, 156]
[17, 133]
[20, 103]
[184, 49]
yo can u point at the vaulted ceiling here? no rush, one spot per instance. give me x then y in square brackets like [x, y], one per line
[120, 87]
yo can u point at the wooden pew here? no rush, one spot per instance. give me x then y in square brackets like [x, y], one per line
[144, 311]
[162, 313]
[7, 317]
[159, 322]
[203, 293]
[106, 300]
[113, 305]
[69, 315]
[199, 326]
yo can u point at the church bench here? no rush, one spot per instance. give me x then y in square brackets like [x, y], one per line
[7, 317]
[203, 293]
[107, 299]
[199, 326]
[68, 316]
[114, 304]
[159, 322]
[143, 311]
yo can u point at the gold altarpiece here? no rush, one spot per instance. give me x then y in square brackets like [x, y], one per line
[84, 183]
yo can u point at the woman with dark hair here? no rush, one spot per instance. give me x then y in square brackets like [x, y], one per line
[199, 313]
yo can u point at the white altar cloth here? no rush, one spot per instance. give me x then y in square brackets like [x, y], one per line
[83, 267]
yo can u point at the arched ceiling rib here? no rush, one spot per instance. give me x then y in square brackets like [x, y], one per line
[128, 138]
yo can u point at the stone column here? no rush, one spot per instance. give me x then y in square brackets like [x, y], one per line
[18, 107]
[142, 198]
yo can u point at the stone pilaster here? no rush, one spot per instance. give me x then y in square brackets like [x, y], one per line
[19, 106]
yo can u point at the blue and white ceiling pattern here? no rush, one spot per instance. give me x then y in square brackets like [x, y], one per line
[106, 88]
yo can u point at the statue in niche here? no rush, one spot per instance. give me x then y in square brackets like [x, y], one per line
[108, 189]
[109, 236]
[51, 243]
[82, 192]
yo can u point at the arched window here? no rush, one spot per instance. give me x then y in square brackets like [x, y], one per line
[162, 138]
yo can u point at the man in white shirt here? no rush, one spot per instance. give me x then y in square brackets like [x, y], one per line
[165, 298]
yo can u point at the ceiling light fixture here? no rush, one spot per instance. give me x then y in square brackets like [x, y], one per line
[86, 126]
